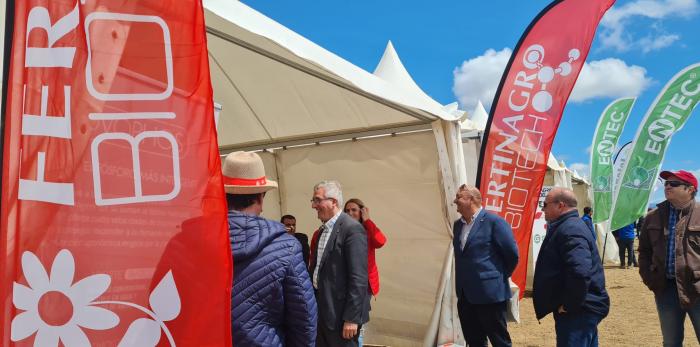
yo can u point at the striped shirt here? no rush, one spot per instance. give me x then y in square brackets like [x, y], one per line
[671, 246]
[325, 233]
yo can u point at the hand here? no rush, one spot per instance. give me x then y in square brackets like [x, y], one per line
[561, 309]
[364, 213]
[349, 330]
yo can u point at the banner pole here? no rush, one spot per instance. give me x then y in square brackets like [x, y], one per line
[6, 54]
[602, 254]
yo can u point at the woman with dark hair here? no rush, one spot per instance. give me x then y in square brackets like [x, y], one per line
[375, 239]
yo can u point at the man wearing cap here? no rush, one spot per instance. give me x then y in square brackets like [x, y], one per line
[669, 255]
[272, 301]
[339, 269]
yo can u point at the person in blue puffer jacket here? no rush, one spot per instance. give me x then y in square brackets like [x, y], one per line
[272, 300]
[625, 243]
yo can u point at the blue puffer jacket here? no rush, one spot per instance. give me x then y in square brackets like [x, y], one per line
[625, 233]
[273, 302]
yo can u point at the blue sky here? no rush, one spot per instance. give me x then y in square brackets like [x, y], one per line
[456, 51]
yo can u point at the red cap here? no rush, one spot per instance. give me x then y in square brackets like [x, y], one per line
[682, 175]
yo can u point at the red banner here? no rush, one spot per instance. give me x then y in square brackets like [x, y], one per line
[526, 112]
[114, 224]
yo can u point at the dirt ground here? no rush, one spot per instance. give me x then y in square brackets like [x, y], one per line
[632, 321]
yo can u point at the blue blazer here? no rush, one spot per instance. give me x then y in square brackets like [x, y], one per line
[488, 259]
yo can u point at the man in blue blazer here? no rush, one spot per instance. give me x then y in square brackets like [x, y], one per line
[485, 256]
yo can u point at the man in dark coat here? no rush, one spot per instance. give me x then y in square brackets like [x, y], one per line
[339, 270]
[569, 280]
[272, 298]
[290, 224]
[485, 256]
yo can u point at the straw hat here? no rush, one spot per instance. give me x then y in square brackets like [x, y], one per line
[244, 173]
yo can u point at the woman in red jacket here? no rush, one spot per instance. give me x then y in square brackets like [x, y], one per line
[375, 239]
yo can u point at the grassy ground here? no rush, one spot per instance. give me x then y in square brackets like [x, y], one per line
[632, 321]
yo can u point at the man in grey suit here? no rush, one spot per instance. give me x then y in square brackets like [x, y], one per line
[339, 269]
[485, 256]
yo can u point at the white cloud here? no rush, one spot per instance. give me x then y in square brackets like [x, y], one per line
[478, 78]
[609, 78]
[581, 168]
[615, 24]
[649, 43]
[656, 9]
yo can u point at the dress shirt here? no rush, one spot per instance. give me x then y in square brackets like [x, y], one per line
[325, 233]
[467, 228]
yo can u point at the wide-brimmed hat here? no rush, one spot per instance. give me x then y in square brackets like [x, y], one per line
[682, 175]
[244, 173]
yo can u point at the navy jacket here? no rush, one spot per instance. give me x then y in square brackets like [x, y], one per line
[489, 257]
[273, 301]
[568, 270]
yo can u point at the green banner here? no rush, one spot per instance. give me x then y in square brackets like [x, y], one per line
[607, 133]
[668, 114]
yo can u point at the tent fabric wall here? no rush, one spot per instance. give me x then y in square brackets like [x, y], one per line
[471, 147]
[444, 322]
[245, 88]
[607, 244]
[271, 204]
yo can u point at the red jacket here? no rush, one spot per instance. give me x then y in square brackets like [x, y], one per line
[375, 239]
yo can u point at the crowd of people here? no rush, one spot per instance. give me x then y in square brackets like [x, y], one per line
[289, 291]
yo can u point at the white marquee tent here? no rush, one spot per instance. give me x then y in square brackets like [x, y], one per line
[317, 116]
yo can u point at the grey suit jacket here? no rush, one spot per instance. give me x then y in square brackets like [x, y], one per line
[343, 294]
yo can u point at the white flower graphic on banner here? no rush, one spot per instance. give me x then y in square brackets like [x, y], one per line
[57, 310]
[54, 307]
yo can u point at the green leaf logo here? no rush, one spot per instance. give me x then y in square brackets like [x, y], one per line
[639, 178]
[601, 184]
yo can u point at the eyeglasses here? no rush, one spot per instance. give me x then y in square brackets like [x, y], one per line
[674, 184]
[317, 201]
[544, 203]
